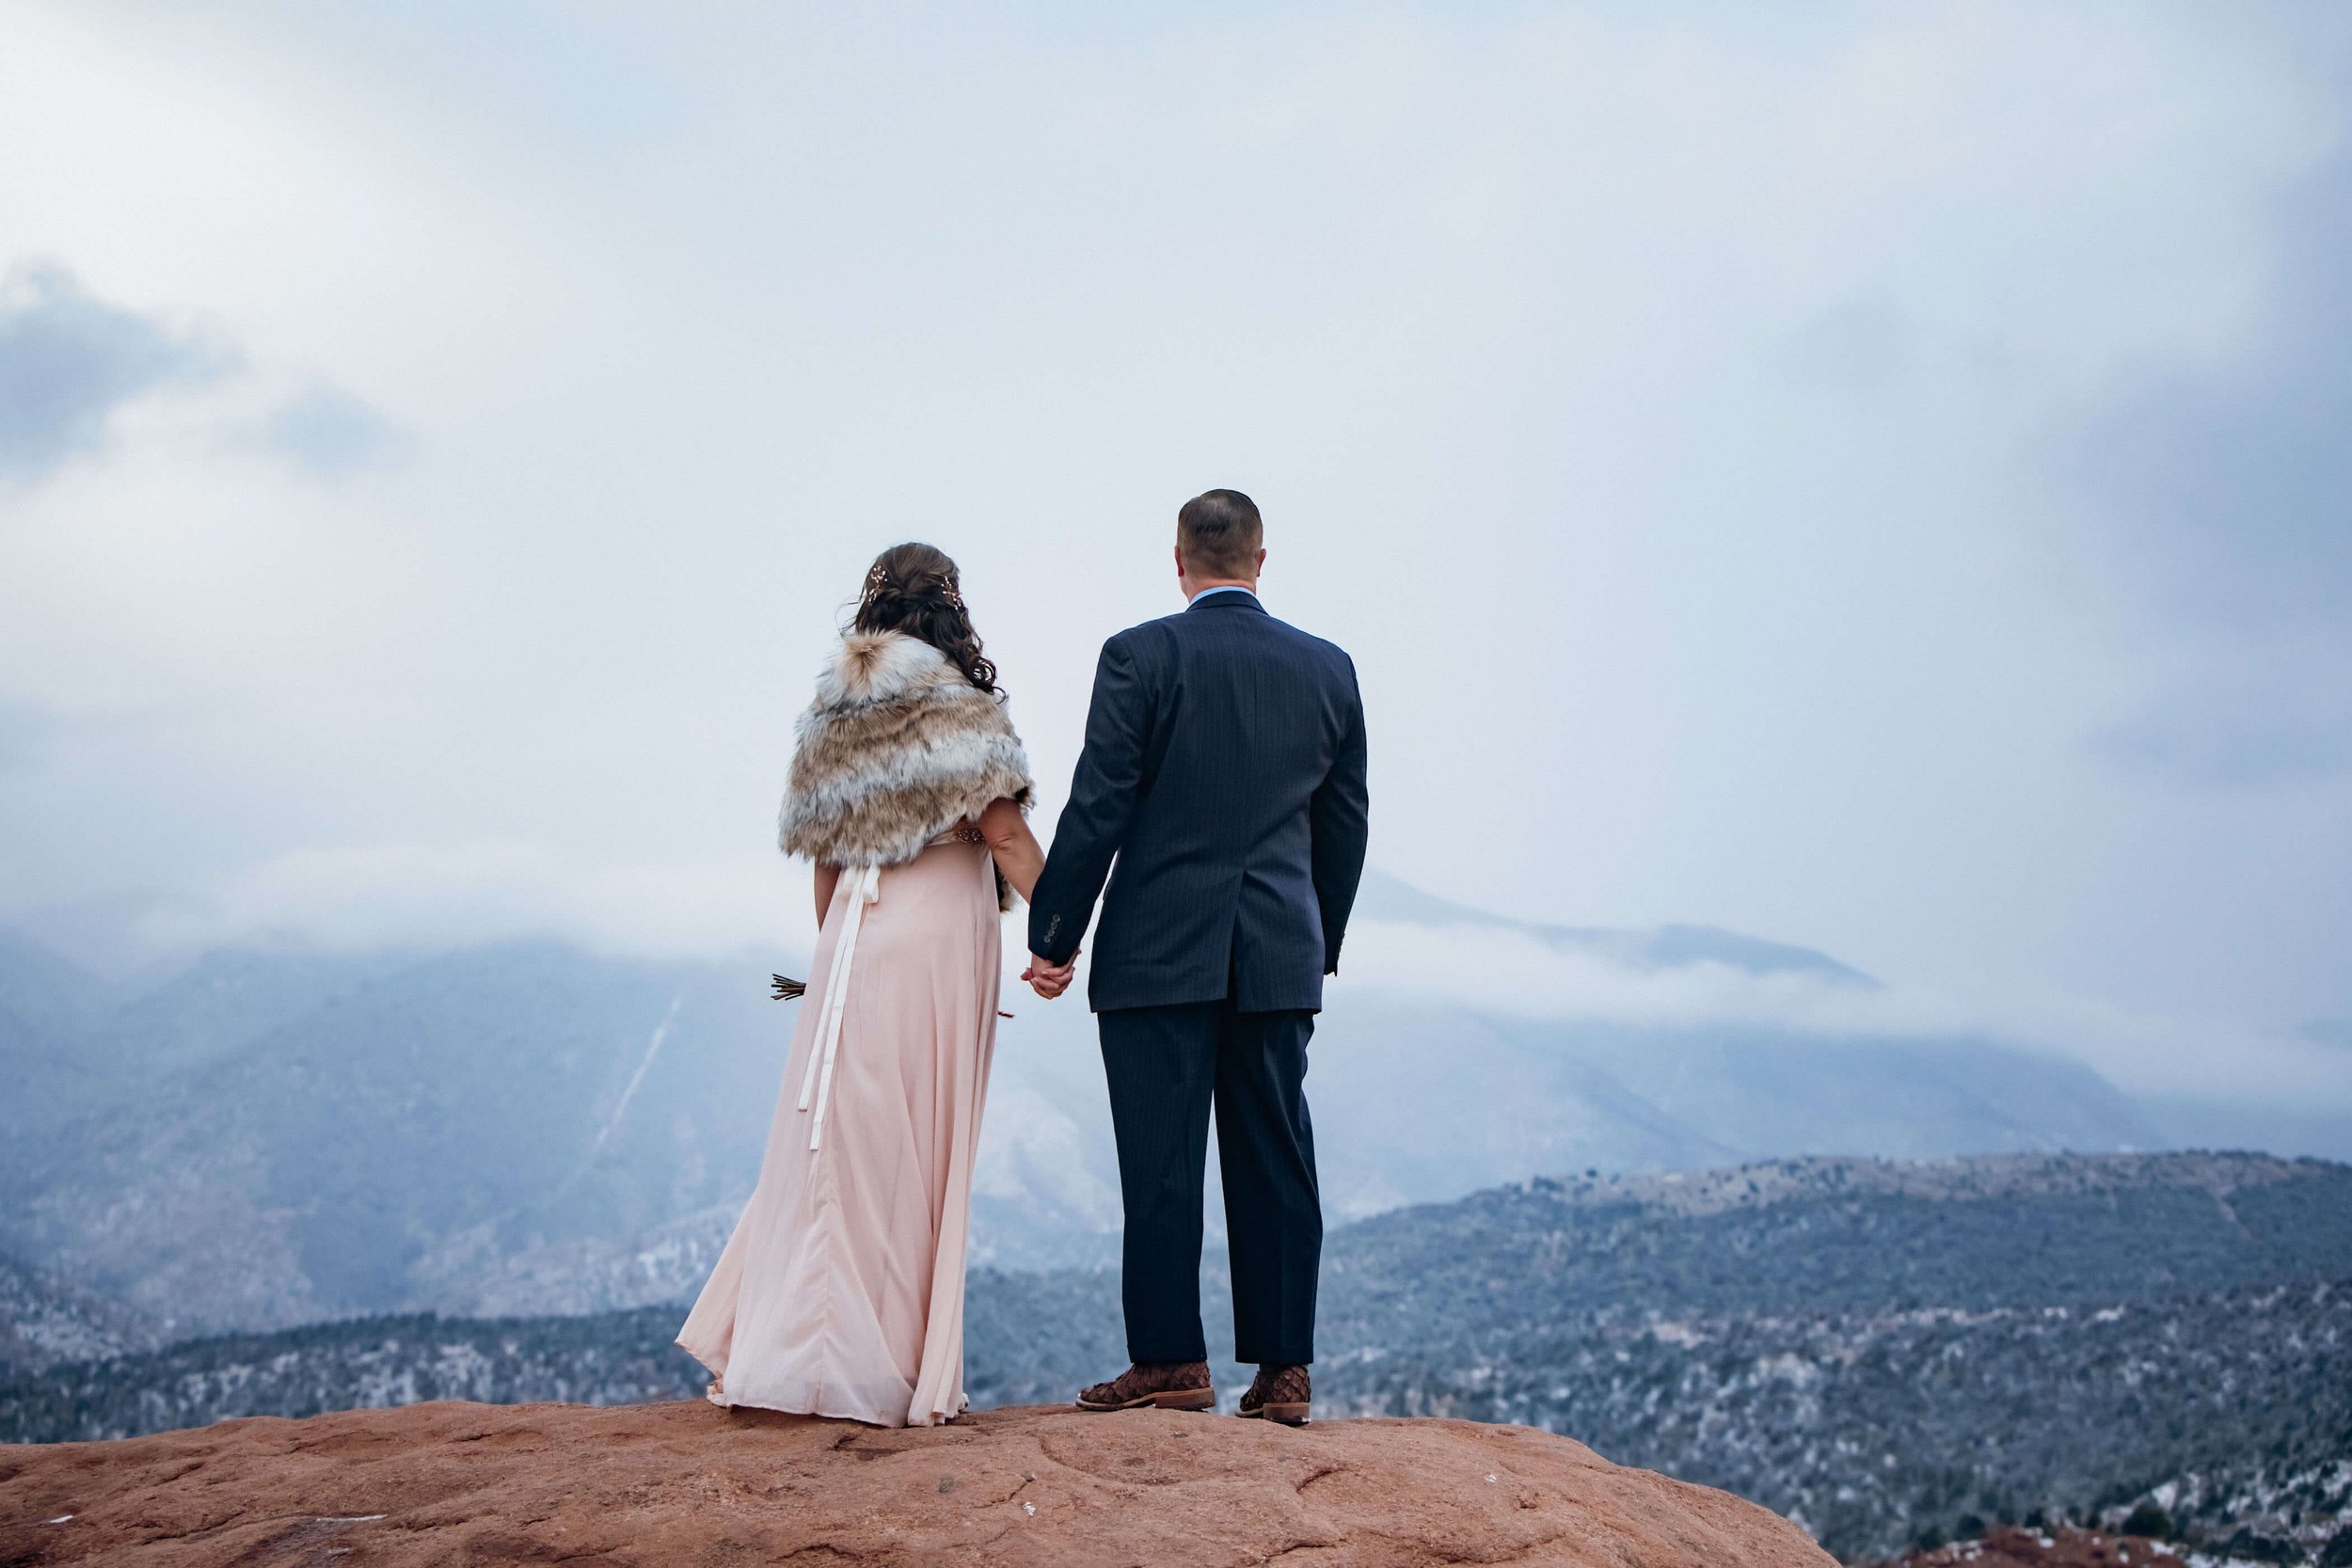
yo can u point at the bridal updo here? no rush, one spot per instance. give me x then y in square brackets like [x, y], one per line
[915, 589]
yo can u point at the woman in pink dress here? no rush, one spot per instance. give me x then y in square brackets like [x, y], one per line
[841, 1291]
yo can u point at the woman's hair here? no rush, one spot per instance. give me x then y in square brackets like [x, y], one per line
[915, 589]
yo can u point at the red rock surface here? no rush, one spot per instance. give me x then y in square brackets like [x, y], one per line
[686, 1484]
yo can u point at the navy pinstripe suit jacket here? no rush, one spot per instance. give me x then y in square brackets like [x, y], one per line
[1224, 770]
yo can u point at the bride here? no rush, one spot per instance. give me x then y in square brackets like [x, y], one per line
[841, 1291]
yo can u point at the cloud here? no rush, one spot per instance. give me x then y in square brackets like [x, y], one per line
[24, 729]
[1860, 347]
[1655, 411]
[1495, 969]
[435, 895]
[329, 433]
[2224, 494]
[2270, 726]
[2232, 482]
[69, 360]
[1499, 972]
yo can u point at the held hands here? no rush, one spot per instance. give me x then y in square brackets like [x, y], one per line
[1049, 980]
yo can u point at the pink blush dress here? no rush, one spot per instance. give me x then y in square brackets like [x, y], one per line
[841, 1290]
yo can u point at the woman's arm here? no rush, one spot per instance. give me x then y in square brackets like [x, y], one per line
[828, 877]
[1015, 848]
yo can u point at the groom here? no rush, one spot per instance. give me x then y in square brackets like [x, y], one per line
[1224, 771]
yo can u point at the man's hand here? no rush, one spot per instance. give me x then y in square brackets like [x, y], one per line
[1049, 980]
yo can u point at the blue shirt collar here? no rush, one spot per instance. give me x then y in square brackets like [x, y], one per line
[1229, 587]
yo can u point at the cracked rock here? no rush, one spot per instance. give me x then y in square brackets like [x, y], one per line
[687, 1483]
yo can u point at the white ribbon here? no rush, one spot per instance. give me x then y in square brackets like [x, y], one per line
[816, 1083]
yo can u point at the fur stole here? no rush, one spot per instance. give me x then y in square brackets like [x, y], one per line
[897, 747]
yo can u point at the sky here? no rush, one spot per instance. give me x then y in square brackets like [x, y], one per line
[1873, 477]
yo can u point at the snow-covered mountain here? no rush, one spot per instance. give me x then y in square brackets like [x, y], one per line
[273, 1136]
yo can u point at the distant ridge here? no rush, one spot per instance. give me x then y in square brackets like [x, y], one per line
[273, 1136]
[1385, 898]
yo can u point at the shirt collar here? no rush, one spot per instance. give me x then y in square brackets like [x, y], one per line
[1229, 587]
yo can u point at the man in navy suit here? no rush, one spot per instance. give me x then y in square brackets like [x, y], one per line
[1224, 772]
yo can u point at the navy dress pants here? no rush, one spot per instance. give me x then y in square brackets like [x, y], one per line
[1167, 1066]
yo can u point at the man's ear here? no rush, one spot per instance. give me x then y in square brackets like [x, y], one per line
[1261, 560]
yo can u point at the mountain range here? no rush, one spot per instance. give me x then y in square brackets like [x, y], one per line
[273, 1136]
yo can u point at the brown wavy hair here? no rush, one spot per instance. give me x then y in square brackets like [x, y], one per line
[915, 589]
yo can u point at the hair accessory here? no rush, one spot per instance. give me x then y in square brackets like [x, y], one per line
[948, 591]
[875, 579]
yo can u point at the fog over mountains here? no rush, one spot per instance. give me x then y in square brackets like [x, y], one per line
[273, 1138]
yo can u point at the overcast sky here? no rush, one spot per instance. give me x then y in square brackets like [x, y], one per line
[1873, 477]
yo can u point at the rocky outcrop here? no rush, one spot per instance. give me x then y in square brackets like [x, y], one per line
[686, 1484]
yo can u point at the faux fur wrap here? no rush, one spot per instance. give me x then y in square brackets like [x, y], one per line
[897, 747]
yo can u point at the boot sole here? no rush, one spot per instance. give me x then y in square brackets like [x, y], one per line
[1174, 1398]
[1284, 1412]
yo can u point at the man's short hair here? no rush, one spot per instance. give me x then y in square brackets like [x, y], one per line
[1219, 534]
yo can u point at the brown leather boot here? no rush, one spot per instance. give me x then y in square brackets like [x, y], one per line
[1278, 1394]
[1160, 1384]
